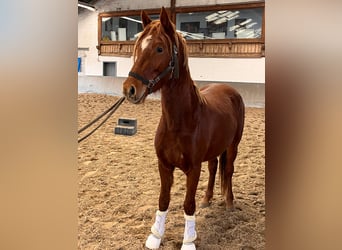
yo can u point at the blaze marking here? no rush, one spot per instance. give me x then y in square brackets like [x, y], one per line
[146, 42]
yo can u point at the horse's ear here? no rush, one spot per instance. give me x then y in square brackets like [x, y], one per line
[145, 19]
[166, 22]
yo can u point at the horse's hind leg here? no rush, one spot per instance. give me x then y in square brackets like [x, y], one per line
[212, 166]
[229, 170]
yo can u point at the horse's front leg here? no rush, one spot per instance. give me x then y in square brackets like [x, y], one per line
[190, 208]
[158, 228]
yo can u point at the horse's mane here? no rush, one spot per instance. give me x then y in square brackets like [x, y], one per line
[182, 46]
[200, 97]
[183, 50]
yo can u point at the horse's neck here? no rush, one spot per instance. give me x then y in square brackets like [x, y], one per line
[180, 104]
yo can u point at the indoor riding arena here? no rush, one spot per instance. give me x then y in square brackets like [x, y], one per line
[119, 179]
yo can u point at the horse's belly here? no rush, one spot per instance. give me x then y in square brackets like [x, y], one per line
[215, 151]
[219, 140]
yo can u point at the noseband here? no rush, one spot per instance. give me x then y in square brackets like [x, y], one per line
[173, 67]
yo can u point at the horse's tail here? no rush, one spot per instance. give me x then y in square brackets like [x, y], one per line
[223, 173]
[240, 116]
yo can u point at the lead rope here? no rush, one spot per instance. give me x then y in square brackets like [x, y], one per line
[110, 112]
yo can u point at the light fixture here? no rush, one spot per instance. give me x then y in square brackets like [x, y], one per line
[211, 17]
[233, 14]
[105, 19]
[247, 21]
[86, 6]
[221, 20]
[250, 25]
[130, 19]
[222, 16]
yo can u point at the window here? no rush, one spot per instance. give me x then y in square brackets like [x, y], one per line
[230, 30]
[221, 24]
[109, 68]
[122, 28]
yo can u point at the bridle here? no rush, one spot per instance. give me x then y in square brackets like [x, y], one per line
[173, 67]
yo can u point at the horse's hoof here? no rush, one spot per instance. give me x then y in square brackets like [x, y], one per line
[152, 242]
[204, 204]
[188, 246]
[230, 208]
[247, 248]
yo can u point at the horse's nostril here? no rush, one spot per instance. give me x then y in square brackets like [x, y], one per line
[132, 91]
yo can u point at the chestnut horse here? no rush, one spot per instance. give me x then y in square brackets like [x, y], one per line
[195, 126]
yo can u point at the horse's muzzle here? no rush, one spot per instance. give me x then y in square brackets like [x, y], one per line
[132, 94]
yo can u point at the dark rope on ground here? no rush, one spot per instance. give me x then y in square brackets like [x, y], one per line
[110, 111]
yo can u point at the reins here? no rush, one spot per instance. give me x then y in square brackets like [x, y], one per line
[173, 67]
[110, 112]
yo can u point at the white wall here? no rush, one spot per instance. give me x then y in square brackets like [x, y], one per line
[249, 70]
[87, 39]
[253, 94]
[209, 69]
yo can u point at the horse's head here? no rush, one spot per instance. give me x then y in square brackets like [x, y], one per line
[155, 58]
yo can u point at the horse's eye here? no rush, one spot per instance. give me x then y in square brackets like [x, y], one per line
[159, 49]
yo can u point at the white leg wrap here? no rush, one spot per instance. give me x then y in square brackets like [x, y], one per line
[189, 233]
[188, 246]
[153, 241]
[158, 227]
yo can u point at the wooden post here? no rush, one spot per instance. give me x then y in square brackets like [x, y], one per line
[173, 11]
